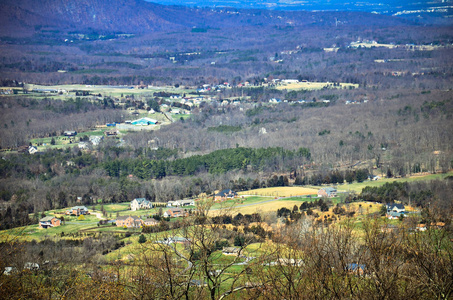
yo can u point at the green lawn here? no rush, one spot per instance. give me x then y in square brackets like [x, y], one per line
[240, 201]
[64, 142]
[97, 131]
[111, 208]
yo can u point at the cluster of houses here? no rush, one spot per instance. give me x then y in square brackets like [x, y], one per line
[219, 87]
[348, 102]
[137, 222]
[51, 221]
[174, 211]
[142, 203]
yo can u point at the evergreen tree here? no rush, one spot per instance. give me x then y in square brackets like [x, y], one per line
[142, 239]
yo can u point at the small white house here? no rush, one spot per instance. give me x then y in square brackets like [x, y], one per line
[398, 208]
[395, 211]
[32, 150]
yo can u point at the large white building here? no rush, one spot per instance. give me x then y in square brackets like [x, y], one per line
[140, 203]
[179, 203]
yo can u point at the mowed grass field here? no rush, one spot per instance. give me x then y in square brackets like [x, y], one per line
[111, 91]
[284, 191]
[267, 207]
[313, 86]
[265, 200]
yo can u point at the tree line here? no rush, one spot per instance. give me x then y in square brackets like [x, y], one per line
[217, 162]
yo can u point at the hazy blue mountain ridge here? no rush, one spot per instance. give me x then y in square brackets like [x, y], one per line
[138, 16]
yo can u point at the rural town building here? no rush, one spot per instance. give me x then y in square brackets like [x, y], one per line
[144, 122]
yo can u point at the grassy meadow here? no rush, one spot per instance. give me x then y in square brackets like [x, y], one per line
[314, 86]
[284, 191]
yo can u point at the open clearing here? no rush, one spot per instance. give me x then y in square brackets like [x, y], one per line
[111, 90]
[264, 206]
[357, 187]
[271, 206]
[315, 86]
[373, 45]
[285, 191]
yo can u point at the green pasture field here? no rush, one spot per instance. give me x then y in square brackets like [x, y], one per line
[266, 207]
[33, 232]
[109, 91]
[314, 86]
[284, 191]
[357, 187]
[97, 131]
[239, 201]
[59, 140]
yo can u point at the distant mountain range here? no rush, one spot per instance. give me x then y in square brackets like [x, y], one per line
[378, 6]
[24, 17]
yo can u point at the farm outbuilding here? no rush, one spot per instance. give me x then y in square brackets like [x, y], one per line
[70, 133]
[144, 122]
